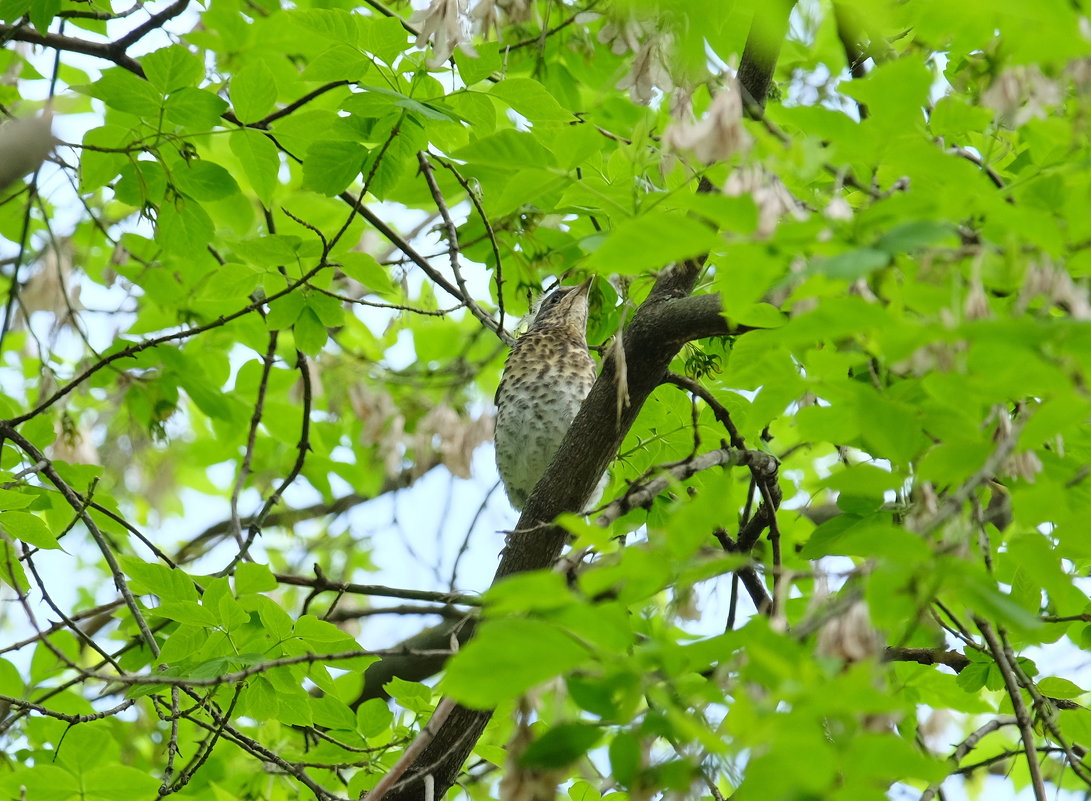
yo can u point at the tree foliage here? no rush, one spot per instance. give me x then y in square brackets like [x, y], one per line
[268, 278]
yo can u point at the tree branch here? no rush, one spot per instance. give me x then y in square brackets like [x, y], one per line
[642, 494]
[107, 51]
[759, 59]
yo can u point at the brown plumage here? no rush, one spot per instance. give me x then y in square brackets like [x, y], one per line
[546, 377]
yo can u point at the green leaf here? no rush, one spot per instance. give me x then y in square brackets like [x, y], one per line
[363, 267]
[851, 265]
[207, 396]
[383, 36]
[759, 315]
[120, 89]
[953, 460]
[310, 333]
[890, 429]
[373, 717]
[13, 499]
[183, 643]
[651, 242]
[526, 592]
[330, 166]
[42, 13]
[153, 578]
[847, 535]
[29, 528]
[43, 782]
[338, 63]
[560, 746]
[384, 168]
[11, 683]
[1059, 687]
[191, 612]
[472, 69]
[625, 757]
[371, 103]
[277, 622]
[335, 24]
[253, 92]
[259, 160]
[516, 655]
[99, 164]
[284, 311]
[912, 236]
[532, 100]
[272, 250]
[885, 757]
[119, 783]
[11, 10]
[87, 747]
[864, 479]
[328, 310]
[258, 699]
[183, 226]
[294, 709]
[204, 180]
[172, 68]
[596, 695]
[895, 92]
[582, 791]
[141, 182]
[412, 695]
[506, 148]
[194, 109]
[252, 577]
[11, 569]
[312, 629]
[953, 118]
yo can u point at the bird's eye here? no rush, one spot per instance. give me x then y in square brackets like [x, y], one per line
[552, 299]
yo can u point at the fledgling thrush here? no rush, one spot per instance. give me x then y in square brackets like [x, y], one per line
[546, 377]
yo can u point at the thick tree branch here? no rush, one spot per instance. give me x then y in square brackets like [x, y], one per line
[927, 656]
[666, 320]
[107, 51]
[759, 58]
[663, 323]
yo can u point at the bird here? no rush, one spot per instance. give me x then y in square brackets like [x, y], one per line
[545, 379]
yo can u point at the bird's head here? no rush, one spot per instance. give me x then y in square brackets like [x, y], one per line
[564, 307]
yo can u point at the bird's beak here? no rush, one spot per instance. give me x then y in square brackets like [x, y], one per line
[585, 287]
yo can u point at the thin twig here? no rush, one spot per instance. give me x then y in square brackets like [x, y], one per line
[1022, 715]
[153, 23]
[325, 585]
[452, 244]
[72, 720]
[436, 277]
[251, 438]
[642, 494]
[469, 531]
[498, 273]
[968, 745]
[303, 446]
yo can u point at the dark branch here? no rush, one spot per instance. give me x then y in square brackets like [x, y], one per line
[759, 59]
[105, 51]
